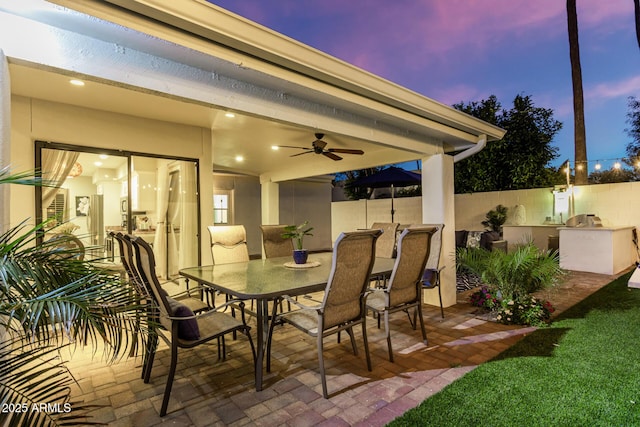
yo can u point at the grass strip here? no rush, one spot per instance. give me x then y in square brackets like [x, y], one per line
[584, 370]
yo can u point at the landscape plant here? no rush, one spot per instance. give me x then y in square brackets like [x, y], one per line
[513, 274]
[525, 310]
[51, 299]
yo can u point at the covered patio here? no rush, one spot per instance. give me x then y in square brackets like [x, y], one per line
[192, 80]
[209, 392]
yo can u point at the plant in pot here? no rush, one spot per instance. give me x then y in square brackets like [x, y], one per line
[296, 233]
[495, 218]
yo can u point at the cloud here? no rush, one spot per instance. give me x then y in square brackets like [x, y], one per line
[608, 90]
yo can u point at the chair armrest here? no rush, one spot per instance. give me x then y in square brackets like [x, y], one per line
[300, 305]
[189, 292]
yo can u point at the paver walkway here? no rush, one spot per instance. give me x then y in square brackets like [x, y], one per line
[212, 392]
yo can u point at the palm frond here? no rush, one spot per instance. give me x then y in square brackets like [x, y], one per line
[35, 375]
[515, 273]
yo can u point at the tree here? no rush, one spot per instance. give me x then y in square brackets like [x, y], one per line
[356, 193]
[580, 139]
[633, 119]
[613, 175]
[517, 161]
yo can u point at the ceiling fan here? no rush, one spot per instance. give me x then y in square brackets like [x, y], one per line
[318, 147]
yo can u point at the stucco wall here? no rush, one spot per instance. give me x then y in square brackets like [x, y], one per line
[616, 204]
[34, 119]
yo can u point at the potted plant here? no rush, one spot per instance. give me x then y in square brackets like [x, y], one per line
[296, 233]
[495, 218]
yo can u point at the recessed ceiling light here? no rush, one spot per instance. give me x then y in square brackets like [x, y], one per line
[275, 147]
[239, 159]
[103, 156]
[230, 115]
[76, 82]
[97, 163]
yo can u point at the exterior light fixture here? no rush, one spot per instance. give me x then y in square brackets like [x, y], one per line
[230, 115]
[76, 82]
[275, 147]
[616, 165]
[598, 166]
[239, 159]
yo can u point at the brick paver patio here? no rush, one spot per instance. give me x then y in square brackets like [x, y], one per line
[212, 392]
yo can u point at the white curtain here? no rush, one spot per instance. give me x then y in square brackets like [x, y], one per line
[56, 165]
[162, 202]
[173, 218]
[189, 219]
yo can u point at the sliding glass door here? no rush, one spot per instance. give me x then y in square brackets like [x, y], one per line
[95, 191]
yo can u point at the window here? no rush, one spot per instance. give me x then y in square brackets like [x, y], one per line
[221, 207]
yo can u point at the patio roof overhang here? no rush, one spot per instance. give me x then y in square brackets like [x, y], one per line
[190, 62]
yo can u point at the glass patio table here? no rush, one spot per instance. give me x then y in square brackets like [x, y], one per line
[267, 279]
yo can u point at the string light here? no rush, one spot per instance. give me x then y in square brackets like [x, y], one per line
[616, 164]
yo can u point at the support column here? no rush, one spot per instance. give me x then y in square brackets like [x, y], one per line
[438, 207]
[5, 137]
[270, 200]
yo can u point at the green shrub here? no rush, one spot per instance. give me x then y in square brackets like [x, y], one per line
[526, 310]
[513, 274]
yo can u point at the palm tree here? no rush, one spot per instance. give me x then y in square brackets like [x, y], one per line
[636, 4]
[580, 139]
[50, 299]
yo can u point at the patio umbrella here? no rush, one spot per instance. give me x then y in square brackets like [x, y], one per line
[390, 177]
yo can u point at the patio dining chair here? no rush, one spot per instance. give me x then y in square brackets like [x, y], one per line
[385, 245]
[180, 327]
[192, 299]
[343, 303]
[228, 243]
[404, 289]
[431, 276]
[273, 243]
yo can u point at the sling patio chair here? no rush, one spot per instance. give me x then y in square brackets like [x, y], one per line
[404, 288]
[273, 243]
[180, 327]
[343, 303]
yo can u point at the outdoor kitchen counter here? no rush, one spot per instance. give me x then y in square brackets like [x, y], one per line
[604, 250]
[538, 233]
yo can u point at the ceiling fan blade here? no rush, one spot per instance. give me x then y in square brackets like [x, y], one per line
[292, 146]
[345, 151]
[331, 155]
[300, 154]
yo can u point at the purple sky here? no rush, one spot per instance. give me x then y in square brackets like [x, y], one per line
[467, 50]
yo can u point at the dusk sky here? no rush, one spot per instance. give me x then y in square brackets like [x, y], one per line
[466, 50]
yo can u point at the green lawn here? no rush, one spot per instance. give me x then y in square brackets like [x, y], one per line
[584, 370]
